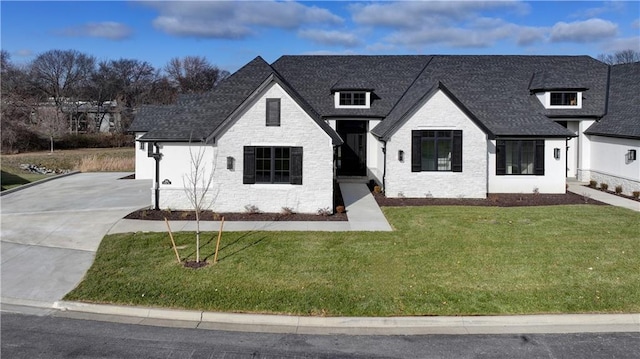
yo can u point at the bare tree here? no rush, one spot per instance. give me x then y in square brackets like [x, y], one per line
[194, 74]
[620, 57]
[198, 186]
[62, 76]
[128, 81]
[17, 104]
[50, 122]
[161, 93]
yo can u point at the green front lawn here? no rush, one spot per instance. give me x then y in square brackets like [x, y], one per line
[438, 261]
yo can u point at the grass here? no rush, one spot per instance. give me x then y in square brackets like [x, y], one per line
[85, 160]
[438, 261]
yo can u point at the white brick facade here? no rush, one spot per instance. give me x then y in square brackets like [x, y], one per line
[249, 129]
[438, 113]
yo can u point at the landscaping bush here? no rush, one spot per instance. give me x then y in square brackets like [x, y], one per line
[604, 186]
[593, 184]
[618, 189]
[95, 140]
[636, 194]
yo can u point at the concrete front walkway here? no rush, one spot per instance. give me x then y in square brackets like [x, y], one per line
[581, 189]
[363, 213]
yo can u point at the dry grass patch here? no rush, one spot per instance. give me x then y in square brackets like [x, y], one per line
[98, 163]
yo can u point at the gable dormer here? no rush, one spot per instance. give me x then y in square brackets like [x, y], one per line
[351, 94]
[557, 90]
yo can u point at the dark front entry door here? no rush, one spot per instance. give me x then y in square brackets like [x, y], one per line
[352, 154]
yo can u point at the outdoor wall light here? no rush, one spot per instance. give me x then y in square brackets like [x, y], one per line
[230, 162]
[631, 155]
[166, 181]
[556, 153]
[401, 155]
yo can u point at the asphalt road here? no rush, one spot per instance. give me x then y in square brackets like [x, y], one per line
[28, 336]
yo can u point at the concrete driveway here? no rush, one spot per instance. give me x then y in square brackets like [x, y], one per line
[50, 232]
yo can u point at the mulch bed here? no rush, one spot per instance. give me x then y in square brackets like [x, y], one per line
[637, 199]
[493, 200]
[152, 215]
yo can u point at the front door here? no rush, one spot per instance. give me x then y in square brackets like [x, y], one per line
[352, 154]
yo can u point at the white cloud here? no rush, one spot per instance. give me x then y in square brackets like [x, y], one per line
[455, 24]
[583, 31]
[415, 14]
[24, 53]
[332, 38]
[628, 43]
[231, 19]
[108, 30]
[636, 24]
[607, 6]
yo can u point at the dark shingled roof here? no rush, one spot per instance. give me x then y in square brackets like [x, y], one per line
[496, 92]
[623, 113]
[314, 78]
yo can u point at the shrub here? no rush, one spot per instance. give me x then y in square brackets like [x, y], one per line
[593, 184]
[604, 186]
[618, 189]
[324, 211]
[636, 194]
[252, 209]
[287, 211]
[536, 190]
[340, 209]
[377, 189]
[95, 140]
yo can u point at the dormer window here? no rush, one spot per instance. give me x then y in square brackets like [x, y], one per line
[563, 99]
[353, 99]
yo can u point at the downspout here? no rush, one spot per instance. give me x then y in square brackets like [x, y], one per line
[156, 186]
[384, 166]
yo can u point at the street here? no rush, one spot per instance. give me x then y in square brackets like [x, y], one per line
[50, 336]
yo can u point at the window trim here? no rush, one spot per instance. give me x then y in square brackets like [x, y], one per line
[273, 119]
[538, 156]
[367, 99]
[416, 150]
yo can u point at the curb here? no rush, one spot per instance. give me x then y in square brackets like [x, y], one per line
[31, 184]
[265, 323]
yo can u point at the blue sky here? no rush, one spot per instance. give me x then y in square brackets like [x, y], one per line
[231, 33]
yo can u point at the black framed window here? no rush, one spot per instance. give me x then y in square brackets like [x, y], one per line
[272, 165]
[273, 112]
[563, 99]
[353, 99]
[520, 157]
[438, 150]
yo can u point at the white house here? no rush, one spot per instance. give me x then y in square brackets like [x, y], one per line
[279, 135]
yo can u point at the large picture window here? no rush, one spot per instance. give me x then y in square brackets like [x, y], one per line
[436, 151]
[272, 165]
[520, 157]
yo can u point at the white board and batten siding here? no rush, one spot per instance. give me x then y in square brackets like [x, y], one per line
[297, 129]
[145, 165]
